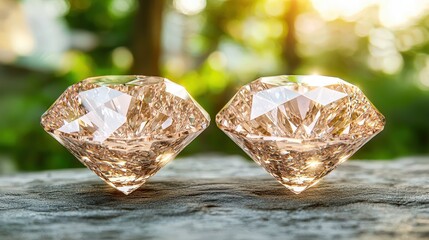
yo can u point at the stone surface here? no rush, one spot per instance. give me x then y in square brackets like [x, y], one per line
[216, 197]
[125, 128]
[299, 128]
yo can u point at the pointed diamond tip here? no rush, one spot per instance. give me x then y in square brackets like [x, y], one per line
[127, 190]
[297, 190]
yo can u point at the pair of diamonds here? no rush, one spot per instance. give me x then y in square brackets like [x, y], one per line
[126, 128]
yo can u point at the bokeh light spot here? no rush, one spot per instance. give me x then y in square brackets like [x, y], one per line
[122, 58]
[217, 60]
[275, 8]
[121, 8]
[190, 7]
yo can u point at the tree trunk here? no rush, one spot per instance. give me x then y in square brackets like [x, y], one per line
[146, 45]
[289, 48]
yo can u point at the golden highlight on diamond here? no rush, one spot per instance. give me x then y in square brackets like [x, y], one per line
[299, 128]
[125, 128]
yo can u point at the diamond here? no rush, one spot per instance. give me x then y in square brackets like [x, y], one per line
[299, 128]
[125, 128]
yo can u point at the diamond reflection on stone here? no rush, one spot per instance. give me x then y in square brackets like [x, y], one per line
[299, 128]
[125, 128]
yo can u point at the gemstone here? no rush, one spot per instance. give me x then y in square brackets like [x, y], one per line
[299, 128]
[125, 128]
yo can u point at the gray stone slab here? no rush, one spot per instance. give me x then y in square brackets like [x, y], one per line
[217, 197]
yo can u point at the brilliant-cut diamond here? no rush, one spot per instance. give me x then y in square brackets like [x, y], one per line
[299, 128]
[125, 128]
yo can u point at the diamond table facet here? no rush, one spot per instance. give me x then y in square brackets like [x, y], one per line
[299, 128]
[125, 128]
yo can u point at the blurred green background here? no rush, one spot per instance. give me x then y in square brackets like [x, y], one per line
[211, 47]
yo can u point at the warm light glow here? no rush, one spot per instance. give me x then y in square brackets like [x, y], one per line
[122, 58]
[424, 75]
[276, 29]
[176, 65]
[363, 27]
[16, 38]
[313, 34]
[410, 38]
[384, 55]
[313, 164]
[255, 31]
[392, 14]
[399, 14]
[165, 158]
[275, 7]
[333, 9]
[190, 7]
[22, 42]
[217, 60]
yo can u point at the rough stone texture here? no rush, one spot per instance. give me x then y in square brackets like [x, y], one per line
[215, 197]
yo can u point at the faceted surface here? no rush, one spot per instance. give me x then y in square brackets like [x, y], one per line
[299, 128]
[125, 128]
